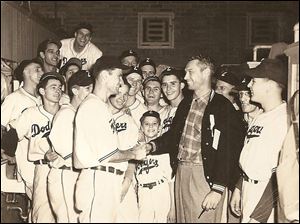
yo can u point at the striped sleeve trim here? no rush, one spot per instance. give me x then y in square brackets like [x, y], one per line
[218, 188]
[108, 155]
[67, 156]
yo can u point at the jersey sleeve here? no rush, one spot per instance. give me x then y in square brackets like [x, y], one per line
[23, 123]
[61, 135]
[6, 110]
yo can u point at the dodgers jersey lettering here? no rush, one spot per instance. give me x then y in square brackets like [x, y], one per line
[88, 55]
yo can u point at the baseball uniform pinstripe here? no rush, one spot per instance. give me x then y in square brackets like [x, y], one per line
[11, 109]
[259, 155]
[88, 55]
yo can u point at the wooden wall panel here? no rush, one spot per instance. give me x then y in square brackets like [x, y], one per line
[20, 34]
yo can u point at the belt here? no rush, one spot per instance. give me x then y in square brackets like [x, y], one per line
[152, 184]
[40, 162]
[246, 178]
[109, 169]
[64, 167]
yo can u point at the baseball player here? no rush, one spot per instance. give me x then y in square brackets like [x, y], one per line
[35, 124]
[148, 67]
[264, 139]
[134, 105]
[62, 177]
[48, 52]
[129, 58]
[153, 176]
[30, 72]
[96, 148]
[172, 85]
[73, 65]
[128, 136]
[80, 46]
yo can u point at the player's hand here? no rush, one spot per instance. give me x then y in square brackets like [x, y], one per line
[125, 186]
[50, 155]
[11, 160]
[148, 147]
[139, 152]
[211, 200]
[235, 202]
[171, 215]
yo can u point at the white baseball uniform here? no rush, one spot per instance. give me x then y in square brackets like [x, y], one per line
[128, 136]
[166, 121]
[88, 55]
[153, 176]
[62, 178]
[11, 108]
[136, 110]
[259, 156]
[35, 125]
[98, 192]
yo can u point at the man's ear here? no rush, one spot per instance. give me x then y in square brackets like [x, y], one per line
[42, 54]
[182, 85]
[42, 91]
[75, 34]
[74, 91]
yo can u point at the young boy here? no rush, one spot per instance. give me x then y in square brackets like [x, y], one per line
[153, 177]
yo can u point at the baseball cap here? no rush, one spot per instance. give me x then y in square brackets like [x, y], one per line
[43, 45]
[84, 25]
[133, 69]
[147, 61]
[179, 73]
[150, 113]
[50, 75]
[80, 78]
[107, 62]
[71, 61]
[270, 68]
[128, 53]
[19, 70]
[151, 78]
[243, 84]
[228, 77]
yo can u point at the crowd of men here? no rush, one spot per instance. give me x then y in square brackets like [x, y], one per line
[119, 139]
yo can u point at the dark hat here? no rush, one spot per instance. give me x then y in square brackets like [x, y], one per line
[43, 45]
[133, 69]
[84, 25]
[128, 53]
[179, 73]
[71, 61]
[50, 75]
[107, 62]
[242, 86]
[151, 78]
[228, 77]
[270, 68]
[150, 113]
[80, 78]
[19, 70]
[147, 61]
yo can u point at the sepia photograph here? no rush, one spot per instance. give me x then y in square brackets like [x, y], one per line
[149, 111]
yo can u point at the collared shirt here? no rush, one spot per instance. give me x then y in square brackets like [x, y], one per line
[190, 142]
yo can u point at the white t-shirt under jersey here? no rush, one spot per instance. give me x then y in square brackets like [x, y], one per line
[88, 55]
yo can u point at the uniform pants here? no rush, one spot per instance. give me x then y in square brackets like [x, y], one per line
[61, 188]
[41, 210]
[98, 196]
[251, 194]
[128, 212]
[154, 204]
[191, 188]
